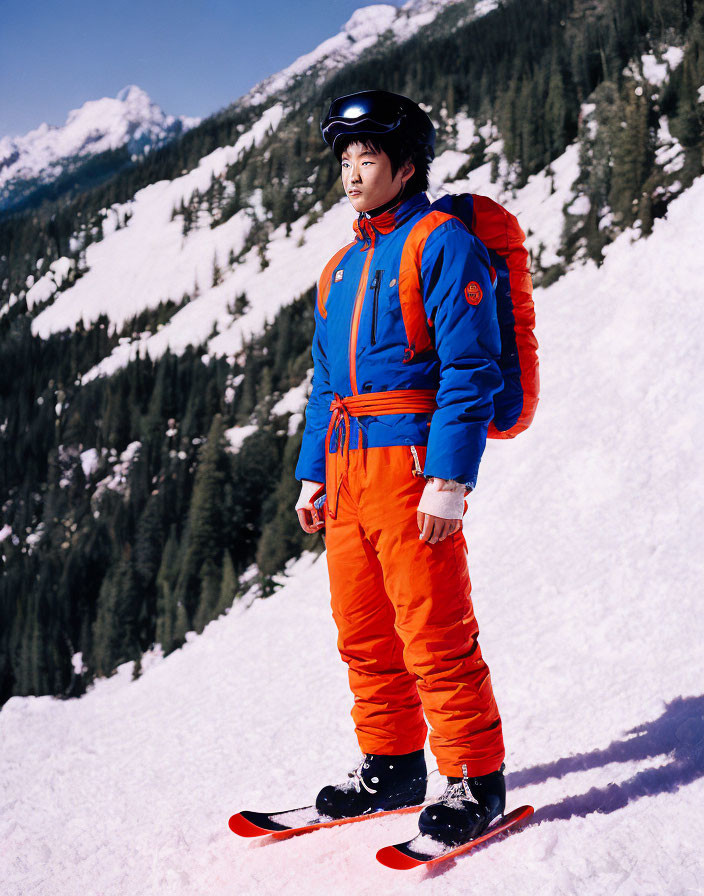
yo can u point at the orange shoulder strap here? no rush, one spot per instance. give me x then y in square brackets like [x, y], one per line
[410, 291]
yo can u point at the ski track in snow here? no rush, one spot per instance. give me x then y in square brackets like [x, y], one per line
[585, 553]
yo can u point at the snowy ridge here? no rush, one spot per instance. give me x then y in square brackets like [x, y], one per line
[149, 260]
[585, 554]
[358, 35]
[130, 119]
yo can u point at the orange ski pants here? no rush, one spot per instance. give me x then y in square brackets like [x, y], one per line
[406, 626]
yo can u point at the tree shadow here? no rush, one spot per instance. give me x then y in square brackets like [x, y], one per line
[678, 734]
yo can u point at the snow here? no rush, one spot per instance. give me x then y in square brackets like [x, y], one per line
[235, 435]
[89, 462]
[482, 7]
[294, 402]
[291, 271]
[5, 532]
[130, 118]
[673, 56]
[656, 72]
[446, 165]
[466, 131]
[579, 206]
[47, 285]
[606, 220]
[538, 205]
[295, 398]
[33, 538]
[669, 152]
[148, 260]
[585, 552]
[357, 37]
[117, 480]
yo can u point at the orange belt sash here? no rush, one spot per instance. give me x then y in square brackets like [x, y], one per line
[397, 401]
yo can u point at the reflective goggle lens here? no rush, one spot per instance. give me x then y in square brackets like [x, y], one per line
[379, 109]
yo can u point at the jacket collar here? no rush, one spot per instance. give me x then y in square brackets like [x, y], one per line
[391, 218]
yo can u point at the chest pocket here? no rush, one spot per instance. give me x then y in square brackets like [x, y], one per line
[385, 305]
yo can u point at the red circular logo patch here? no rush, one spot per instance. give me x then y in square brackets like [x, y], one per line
[473, 292]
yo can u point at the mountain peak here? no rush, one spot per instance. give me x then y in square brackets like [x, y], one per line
[369, 20]
[132, 93]
[360, 32]
[130, 119]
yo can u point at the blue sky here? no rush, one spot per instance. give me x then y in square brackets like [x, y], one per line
[192, 58]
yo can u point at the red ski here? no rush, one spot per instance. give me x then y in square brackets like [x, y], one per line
[296, 821]
[424, 850]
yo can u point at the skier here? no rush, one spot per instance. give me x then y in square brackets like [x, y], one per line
[396, 424]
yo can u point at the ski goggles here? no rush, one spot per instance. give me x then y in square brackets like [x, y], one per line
[378, 112]
[369, 112]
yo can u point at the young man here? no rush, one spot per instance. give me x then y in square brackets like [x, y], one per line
[395, 427]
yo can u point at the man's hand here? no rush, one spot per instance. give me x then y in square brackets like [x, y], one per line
[305, 518]
[435, 528]
[440, 509]
[304, 507]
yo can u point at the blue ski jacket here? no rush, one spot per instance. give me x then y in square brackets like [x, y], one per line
[369, 339]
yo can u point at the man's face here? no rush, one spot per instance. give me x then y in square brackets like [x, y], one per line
[367, 179]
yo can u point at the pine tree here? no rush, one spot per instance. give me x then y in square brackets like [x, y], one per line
[181, 625]
[148, 542]
[30, 670]
[217, 272]
[210, 582]
[633, 154]
[115, 630]
[555, 110]
[166, 587]
[203, 539]
[228, 585]
[282, 536]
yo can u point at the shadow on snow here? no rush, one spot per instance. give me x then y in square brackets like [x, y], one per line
[677, 733]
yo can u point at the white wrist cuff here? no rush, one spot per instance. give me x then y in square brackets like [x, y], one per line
[308, 489]
[443, 498]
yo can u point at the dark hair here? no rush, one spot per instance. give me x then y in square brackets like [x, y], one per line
[398, 151]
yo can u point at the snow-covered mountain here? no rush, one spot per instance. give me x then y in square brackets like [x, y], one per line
[359, 35]
[128, 120]
[149, 260]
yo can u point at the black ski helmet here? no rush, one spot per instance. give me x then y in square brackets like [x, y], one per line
[371, 112]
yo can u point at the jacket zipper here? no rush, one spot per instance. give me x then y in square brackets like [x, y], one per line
[356, 314]
[376, 283]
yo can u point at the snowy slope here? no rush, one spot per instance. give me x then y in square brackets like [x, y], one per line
[130, 119]
[585, 549]
[149, 260]
[357, 36]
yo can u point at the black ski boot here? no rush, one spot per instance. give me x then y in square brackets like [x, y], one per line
[466, 808]
[378, 783]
